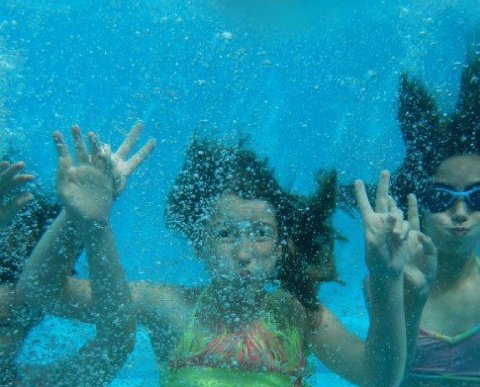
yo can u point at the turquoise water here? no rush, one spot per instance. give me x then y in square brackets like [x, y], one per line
[311, 83]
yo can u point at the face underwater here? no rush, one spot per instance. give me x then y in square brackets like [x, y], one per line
[455, 224]
[242, 239]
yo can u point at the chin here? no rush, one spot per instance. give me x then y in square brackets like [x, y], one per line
[452, 246]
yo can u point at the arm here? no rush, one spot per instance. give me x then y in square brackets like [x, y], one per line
[44, 281]
[99, 361]
[380, 360]
[87, 193]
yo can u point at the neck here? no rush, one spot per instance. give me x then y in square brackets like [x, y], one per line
[454, 268]
[235, 302]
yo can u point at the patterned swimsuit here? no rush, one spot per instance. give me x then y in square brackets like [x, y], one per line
[257, 353]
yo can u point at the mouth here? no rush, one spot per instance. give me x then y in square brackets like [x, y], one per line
[245, 274]
[459, 231]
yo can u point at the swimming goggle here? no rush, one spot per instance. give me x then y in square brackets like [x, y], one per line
[439, 198]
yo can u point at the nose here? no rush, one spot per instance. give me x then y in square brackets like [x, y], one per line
[244, 250]
[459, 211]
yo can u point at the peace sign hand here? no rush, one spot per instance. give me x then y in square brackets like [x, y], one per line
[385, 229]
[421, 266]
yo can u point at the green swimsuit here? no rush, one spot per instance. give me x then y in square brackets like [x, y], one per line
[258, 353]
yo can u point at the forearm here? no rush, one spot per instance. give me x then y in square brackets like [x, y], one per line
[112, 301]
[112, 305]
[44, 277]
[385, 347]
[98, 361]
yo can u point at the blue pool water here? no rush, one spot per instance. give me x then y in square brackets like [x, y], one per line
[311, 83]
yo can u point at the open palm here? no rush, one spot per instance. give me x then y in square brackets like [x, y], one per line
[85, 188]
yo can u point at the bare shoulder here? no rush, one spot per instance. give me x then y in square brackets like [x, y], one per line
[289, 307]
[156, 302]
[323, 320]
[153, 294]
[165, 311]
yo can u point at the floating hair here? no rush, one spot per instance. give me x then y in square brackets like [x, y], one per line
[431, 137]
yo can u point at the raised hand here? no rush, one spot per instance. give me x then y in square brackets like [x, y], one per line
[123, 167]
[86, 187]
[10, 178]
[421, 266]
[385, 229]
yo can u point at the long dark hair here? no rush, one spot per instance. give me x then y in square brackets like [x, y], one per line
[18, 239]
[306, 233]
[432, 137]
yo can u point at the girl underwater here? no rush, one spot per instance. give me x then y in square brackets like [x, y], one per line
[442, 167]
[240, 330]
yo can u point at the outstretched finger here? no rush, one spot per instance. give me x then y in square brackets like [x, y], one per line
[64, 157]
[80, 148]
[95, 149]
[141, 155]
[381, 199]
[21, 179]
[362, 199]
[130, 141]
[9, 173]
[4, 165]
[392, 207]
[413, 216]
[10, 178]
[402, 228]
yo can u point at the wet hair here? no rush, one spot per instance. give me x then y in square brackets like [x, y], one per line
[311, 260]
[211, 169]
[432, 137]
[18, 239]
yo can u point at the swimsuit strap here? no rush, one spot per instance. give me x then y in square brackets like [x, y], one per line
[453, 339]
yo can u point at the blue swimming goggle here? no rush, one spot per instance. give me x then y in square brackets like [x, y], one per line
[439, 198]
